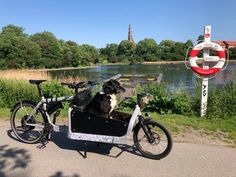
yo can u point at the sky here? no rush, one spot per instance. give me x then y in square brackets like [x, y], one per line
[99, 22]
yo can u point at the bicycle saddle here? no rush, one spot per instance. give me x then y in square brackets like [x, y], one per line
[37, 82]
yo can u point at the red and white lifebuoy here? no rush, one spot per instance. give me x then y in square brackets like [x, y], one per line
[211, 71]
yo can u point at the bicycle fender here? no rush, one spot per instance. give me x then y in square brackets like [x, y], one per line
[30, 102]
[23, 101]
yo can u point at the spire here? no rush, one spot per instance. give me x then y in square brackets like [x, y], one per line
[130, 36]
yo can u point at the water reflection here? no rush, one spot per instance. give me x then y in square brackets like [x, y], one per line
[175, 76]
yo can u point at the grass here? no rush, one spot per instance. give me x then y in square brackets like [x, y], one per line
[5, 113]
[179, 123]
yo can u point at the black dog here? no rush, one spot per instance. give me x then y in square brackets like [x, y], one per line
[105, 101]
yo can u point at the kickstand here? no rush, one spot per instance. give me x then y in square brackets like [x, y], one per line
[85, 150]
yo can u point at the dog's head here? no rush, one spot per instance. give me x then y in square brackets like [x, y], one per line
[112, 87]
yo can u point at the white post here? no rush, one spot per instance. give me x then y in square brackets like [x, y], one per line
[207, 37]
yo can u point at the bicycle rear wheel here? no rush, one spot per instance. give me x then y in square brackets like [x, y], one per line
[160, 144]
[19, 119]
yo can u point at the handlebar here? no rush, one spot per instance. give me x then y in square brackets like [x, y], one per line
[80, 84]
[84, 84]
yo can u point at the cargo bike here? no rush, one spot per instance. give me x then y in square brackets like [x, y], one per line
[32, 122]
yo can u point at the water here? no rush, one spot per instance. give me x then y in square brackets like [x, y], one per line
[175, 76]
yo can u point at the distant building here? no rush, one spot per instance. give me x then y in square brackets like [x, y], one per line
[130, 36]
[226, 44]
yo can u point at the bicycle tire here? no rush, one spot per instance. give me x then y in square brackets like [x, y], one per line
[27, 131]
[148, 154]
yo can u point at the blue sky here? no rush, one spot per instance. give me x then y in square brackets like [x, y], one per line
[99, 22]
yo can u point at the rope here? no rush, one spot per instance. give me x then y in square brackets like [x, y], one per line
[227, 59]
[185, 59]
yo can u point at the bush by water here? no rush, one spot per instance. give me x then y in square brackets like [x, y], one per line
[221, 101]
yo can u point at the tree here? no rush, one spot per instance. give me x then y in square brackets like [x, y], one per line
[13, 30]
[147, 49]
[17, 50]
[200, 39]
[126, 49]
[171, 50]
[188, 44]
[110, 52]
[67, 54]
[178, 51]
[50, 49]
[88, 54]
[166, 49]
[168, 43]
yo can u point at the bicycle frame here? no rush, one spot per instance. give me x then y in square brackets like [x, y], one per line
[43, 103]
[83, 136]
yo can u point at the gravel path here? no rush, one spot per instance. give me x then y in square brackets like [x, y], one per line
[61, 158]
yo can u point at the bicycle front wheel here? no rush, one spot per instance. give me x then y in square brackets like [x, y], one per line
[158, 145]
[20, 118]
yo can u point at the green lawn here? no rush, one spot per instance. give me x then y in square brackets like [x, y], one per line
[178, 123]
[5, 113]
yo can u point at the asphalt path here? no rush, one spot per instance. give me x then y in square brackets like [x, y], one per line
[63, 157]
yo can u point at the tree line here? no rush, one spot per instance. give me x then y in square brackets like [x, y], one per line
[44, 50]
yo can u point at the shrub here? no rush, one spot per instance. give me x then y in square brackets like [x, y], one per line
[163, 103]
[128, 104]
[154, 89]
[222, 101]
[181, 103]
[12, 91]
[55, 89]
[197, 98]
[160, 104]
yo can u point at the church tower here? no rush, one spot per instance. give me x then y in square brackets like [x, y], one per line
[130, 36]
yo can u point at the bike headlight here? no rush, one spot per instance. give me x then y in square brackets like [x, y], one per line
[143, 99]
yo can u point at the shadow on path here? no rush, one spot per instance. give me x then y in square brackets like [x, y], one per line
[12, 159]
[62, 141]
[60, 174]
[11, 135]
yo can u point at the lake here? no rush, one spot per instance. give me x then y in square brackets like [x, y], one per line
[175, 76]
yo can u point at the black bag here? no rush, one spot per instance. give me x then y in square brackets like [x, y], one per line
[82, 98]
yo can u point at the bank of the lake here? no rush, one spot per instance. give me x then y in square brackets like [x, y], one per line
[120, 64]
[106, 64]
[175, 75]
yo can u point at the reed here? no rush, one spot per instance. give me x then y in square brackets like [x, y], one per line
[70, 79]
[25, 74]
[36, 75]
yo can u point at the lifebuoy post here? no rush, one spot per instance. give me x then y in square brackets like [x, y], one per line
[207, 38]
[205, 72]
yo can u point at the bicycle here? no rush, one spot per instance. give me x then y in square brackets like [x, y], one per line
[30, 122]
